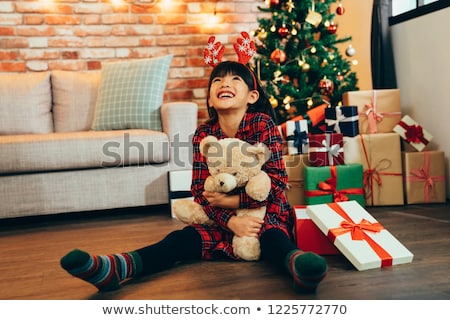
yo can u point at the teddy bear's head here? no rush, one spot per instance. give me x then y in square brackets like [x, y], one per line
[232, 162]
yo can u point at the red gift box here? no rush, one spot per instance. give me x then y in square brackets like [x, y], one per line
[326, 149]
[308, 236]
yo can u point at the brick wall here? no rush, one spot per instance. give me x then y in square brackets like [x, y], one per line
[41, 35]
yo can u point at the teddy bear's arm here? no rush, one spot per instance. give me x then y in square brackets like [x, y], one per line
[258, 187]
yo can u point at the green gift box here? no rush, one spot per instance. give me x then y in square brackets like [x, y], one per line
[334, 184]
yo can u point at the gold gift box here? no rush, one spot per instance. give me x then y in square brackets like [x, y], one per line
[424, 177]
[379, 110]
[295, 165]
[381, 157]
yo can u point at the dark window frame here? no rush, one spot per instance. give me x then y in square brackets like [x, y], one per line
[420, 10]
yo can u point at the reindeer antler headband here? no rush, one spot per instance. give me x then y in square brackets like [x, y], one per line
[245, 49]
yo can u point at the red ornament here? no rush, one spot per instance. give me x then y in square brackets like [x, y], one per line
[332, 28]
[278, 56]
[283, 31]
[326, 86]
[340, 9]
[274, 3]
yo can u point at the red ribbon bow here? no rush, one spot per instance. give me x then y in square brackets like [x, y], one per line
[413, 133]
[358, 232]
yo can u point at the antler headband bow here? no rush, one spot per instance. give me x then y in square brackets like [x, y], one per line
[244, 47]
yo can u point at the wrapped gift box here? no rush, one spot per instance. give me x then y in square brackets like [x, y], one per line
[334, 184]
[424, 177]
[295, 167]
[358, 235]
[315, 117]
[413, 133]
[342, 120]
[379, 110]
[297, 136]
[380, 155]
[179, 183]
[308, 236]
[326, 149]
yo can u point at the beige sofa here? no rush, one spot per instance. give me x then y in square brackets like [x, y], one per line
[52, 162]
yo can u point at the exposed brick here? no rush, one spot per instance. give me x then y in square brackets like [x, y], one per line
[37, 65]
[11, 19]
[181, 95]
[13, 66]
[33, 19]
[6, 43]
[6, 7]
[63, 19]
[67, 65]
[92, 19]
[65, 42]
[69, 55]
[94, 65]
[8, 55]
[171, 19]
[39, 54]
[36, 31]
[118, 19]
[6, 31]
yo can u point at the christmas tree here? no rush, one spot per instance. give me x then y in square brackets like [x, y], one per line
[297, 59]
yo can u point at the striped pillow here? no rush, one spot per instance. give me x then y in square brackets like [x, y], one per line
[131, 93]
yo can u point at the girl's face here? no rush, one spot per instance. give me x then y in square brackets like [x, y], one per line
[230, 92]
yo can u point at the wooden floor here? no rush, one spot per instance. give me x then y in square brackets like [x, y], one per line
[30, 250]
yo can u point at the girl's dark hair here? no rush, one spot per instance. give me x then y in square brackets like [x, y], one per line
[236, 68]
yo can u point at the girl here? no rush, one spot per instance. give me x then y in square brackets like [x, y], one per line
[238, 107]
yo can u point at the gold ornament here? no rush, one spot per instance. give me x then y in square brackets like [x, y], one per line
[306, 67]
[262, 35]
[273, 102]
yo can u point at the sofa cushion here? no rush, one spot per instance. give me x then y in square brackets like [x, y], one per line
[25, 103]
[84, 149]
[74, 98]
[131, 93]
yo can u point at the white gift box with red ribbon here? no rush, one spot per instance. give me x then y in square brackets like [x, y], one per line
[413, 133]
[358, 235]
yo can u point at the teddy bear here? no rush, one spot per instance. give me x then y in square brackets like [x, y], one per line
[232, 163]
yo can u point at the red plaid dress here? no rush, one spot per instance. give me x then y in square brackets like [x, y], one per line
[254, 128]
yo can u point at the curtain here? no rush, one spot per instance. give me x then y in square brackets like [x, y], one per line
[382, 56]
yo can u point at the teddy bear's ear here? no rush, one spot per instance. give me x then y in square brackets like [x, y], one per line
[206, 143]
[261, 151]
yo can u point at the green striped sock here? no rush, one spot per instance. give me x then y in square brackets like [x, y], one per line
[307, 270]
[106, 272]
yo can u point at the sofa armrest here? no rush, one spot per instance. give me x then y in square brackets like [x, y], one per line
[179, 121]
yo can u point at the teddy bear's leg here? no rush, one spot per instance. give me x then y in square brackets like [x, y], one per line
[247, 248]
[190, 212]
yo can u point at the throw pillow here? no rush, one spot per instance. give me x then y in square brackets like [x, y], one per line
[74, 98]
[25, 103]
[131, 94]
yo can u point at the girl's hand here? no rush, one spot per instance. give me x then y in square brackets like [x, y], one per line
[246, 226]
[222, 200]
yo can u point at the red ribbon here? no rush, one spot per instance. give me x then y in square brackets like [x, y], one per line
[358, 232]
[422, 174]
[329, 187]
[413, 133]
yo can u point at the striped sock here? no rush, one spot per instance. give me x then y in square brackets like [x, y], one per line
[307, 270]
[106, 272]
